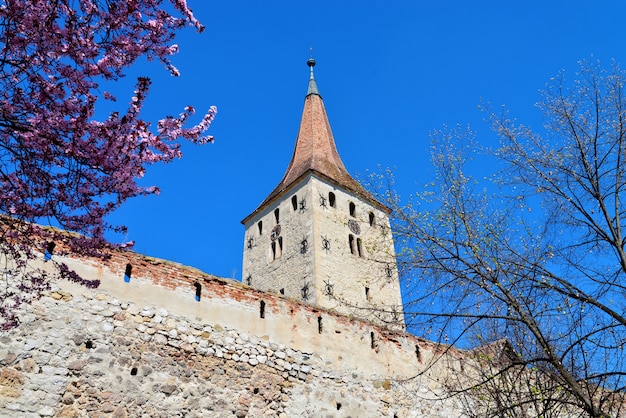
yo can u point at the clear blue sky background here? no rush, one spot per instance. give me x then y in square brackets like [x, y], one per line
[389, 72]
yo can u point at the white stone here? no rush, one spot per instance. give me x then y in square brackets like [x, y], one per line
[46, 411]
[147, 312]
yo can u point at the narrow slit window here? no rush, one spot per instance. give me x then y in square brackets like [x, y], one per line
[273, 246]
[49, 250]
[359, 247]
[260, 225]
[319, 324]
[277, 215]
[128, 272]
[352, 209]
[367, 293]
[262, 310]
[279, 250]
[372, 340]
[198, 287]
[372, 219]
[294, 202]
[331, 199]
[351, 243]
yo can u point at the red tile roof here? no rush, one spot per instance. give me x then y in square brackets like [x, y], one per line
[315, 152]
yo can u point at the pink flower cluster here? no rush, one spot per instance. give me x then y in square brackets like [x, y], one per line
[58, 163]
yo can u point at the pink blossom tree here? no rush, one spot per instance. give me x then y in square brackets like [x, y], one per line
[59, 164]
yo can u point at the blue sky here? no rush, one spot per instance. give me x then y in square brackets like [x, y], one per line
[389, 73]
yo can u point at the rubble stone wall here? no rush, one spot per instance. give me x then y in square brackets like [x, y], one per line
[143, 350]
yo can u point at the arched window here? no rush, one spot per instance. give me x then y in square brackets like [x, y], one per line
[277, 248]
[372, 219]
[277, 215]
[294, 202]
[351, 243]
[260, 225]
[352, 210]
[331, 199]
[358, 247]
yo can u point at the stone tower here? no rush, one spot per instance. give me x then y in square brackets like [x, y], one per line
[320, 237]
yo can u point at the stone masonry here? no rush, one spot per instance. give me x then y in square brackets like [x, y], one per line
[110, 352]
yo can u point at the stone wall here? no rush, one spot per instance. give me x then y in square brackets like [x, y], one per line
[315, 234]
[293, 268]
[140, 349]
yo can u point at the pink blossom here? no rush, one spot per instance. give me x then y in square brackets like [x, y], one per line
[59, 164]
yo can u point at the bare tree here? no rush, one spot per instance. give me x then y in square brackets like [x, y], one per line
[534, 255]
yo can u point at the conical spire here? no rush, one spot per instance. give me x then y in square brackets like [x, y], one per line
[312, 83]
[315, 151]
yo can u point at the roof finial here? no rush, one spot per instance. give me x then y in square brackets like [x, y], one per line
[312, 84]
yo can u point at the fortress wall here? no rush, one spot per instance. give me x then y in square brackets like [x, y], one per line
[140, 349]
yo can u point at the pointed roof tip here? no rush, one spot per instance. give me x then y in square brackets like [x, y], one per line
[312, 84]
[315, 152]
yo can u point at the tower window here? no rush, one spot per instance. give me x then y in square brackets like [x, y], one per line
[260, 225]
[359, 249]
[294, 202]
[277, 248]
[331, 199]
[352, 210]
[351, 243]
[367, 293]
[262, 310]
[372, 219]
[277, 215]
